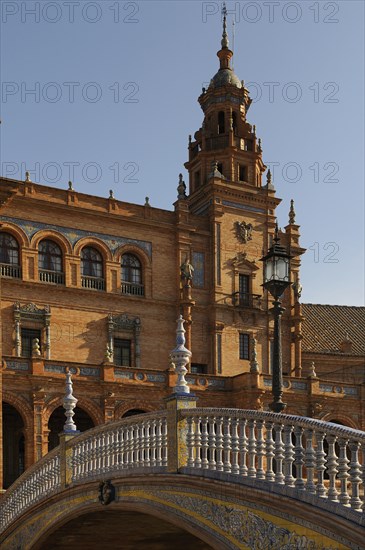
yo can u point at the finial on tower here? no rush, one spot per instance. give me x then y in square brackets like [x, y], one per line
[224, 42]
[69, 403]
[291, 213]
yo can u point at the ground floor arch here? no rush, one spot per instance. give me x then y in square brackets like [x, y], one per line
[13, 444]
[57, 421]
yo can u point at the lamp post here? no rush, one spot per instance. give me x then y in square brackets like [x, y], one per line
[276, 280]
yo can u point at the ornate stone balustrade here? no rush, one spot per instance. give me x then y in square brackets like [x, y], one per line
[38, 483]
[308, 459]
[137, 442]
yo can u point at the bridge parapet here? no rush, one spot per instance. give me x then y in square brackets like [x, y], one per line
[308, 459]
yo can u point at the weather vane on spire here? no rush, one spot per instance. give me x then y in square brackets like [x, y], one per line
[224, 42]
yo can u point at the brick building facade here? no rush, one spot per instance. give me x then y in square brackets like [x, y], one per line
[95, 285]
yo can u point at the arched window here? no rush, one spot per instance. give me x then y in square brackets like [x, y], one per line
[92, 268]
[9, 256]
[49, 256]
[131, 275]
[50, 262]
[221, 123]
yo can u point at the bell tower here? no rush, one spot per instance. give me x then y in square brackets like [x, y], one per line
[226, 145]
[239, 211]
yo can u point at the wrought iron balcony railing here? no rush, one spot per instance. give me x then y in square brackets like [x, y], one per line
[241, 299]
[132, 289]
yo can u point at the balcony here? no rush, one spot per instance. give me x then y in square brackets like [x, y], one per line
[132, 289]
[219, 142]
[94, 283]
[51, 277]
[10, 271]
[253, 301]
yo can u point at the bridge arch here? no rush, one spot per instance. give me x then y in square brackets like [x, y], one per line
[190, 530]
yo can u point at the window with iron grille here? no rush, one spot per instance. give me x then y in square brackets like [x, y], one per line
[198, 368]
[49, 256]
[131, 269]
[244, 290]
[122, 352]
[28, 335]
[91, 262]
[9, 249]
[244, 346]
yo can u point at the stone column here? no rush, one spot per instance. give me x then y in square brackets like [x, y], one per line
[47, 322]
[18, 340]
[137, 333]
[40, 446]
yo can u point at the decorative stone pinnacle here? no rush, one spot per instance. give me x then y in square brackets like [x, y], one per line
[69, 403]
[147, 201]
[254, 366]
[312, 371]
[181, 188]
[268, 177]
[259, 147]
[111, 194]
[291, 213]
[70, 186]
[36, 350]
[27, 176]
[180, 356]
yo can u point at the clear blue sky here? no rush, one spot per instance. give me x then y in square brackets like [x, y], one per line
[116, 87]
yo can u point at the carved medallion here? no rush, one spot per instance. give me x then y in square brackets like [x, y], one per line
[243, 231]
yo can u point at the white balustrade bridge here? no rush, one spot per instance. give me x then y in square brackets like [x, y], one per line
[314, 463]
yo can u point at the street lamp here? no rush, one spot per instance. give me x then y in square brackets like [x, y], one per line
[276, 280]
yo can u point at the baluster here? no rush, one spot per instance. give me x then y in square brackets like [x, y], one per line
[355, 475]
[320, 465]
[343, 469]
[164, 442]
[279, 454]
[270, 455]
[251, 472]
[126, 447]
[299, 458]
[243, 448]
[148, 444]
[190, 441]
[219, 443]
[135, 445]
[131, 446]
[198, 442]
[288, 456]
[159, 443]
[204, 441]
[332, 468]
[227, 444]
[310, 462]
[260, 449]
[235, 446]
[153, 443]
[212, 444]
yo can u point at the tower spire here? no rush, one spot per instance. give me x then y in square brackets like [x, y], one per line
[225, 53]
[224, 42]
